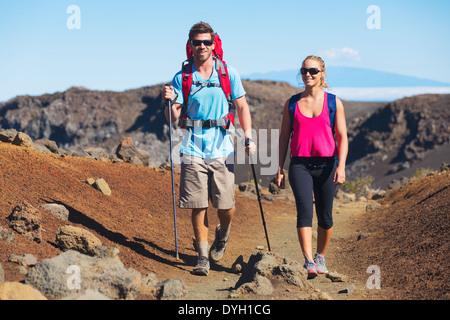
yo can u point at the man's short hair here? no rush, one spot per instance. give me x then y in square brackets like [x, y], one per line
[201, 27]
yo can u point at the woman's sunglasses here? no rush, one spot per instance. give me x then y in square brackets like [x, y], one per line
[197, 43]
[312, 71]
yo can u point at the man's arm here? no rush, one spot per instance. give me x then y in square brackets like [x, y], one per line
[245, 120]
[168, 93]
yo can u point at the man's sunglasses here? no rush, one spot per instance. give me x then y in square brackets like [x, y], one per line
[312, 71]
[197, 43]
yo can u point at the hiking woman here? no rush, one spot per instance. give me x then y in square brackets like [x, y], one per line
[317, 163]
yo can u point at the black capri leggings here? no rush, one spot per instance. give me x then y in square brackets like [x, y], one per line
[308, 175]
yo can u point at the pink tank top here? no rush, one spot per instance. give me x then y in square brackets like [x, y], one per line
[313, 137]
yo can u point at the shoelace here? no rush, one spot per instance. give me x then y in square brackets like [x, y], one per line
[318, 259]
[309, 263]
[202, 261]
[221, 245]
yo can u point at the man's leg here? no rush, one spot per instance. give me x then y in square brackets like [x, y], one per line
[222, 196]
[200, 226]
[225, 218]
[194, 195]
[222, 233]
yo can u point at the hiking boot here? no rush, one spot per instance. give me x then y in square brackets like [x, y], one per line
[202, 266]
[218, 247]
[319, 260]
[311, 268]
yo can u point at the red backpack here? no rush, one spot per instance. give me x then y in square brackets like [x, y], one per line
[227, 122]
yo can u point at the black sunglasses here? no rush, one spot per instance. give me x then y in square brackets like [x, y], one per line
[312, 71]
[197, 43]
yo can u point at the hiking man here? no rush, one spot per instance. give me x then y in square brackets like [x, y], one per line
[205, 171]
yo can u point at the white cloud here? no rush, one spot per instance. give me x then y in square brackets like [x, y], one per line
[385, 93]
[341, 54]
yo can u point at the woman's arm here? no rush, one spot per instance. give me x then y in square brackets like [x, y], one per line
[341, 134]
[285, 134]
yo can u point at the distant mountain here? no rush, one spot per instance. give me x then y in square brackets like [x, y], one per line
[352, 77]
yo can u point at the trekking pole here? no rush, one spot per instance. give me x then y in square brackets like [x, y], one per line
[169, 104]
[260, 205]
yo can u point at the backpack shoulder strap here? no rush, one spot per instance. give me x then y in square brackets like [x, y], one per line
[292, 104]
[186, 79]
[331, 108]
[224, 79]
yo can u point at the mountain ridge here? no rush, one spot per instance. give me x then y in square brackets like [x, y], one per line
[340, 76]
[79, 118]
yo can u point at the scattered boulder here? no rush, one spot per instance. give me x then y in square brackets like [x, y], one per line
[273, 188]
[264, 266]
[40, 148]
[97, 153]
[337, 277]
[74, 238]
[259, 285]
[72, 272]
[90, 181]
[6, 235]
[19, 291]
[88, 294]
[128, 152]
[100, 184]
[26, 219]
[171, 289]
[148, 285]
[50, 145]
[57, 210]
[8, 135]
[22, 140]
[348, 289]
[106, 252]
[363, 235]
[27, 260]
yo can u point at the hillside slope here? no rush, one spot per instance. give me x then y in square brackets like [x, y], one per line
[407, 236]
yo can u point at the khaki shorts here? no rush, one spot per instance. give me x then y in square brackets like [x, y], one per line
[204, 179]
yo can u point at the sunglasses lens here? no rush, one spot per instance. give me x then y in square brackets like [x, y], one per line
[312, 71]
[197, 43]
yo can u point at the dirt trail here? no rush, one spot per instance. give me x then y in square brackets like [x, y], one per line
[281, 221]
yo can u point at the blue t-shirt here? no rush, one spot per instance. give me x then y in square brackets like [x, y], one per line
[208, 103]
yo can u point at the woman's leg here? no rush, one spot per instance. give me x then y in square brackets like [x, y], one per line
[305, 239]
[302, 185]
[323, 239]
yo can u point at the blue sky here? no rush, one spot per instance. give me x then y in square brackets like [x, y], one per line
[129, 44]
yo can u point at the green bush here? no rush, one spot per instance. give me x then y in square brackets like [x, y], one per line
[358, 185]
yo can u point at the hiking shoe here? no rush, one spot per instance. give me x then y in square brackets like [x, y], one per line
[202, 266]
[311, 268]
[218, 247]
[319, 260]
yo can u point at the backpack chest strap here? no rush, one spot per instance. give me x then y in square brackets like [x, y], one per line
[191, 123]
[202, 84]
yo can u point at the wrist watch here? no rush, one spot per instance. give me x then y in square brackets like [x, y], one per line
[247, 141]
